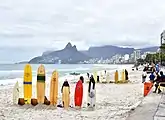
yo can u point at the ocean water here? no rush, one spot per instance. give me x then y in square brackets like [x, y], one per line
[10, 73]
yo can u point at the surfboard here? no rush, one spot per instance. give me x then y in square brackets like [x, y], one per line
[54, 88]
[107, 77]
[123, 75]
[95, 75]
[91, 96]
[116, 76]
[27, 83]
[16, 93]
[78, 96]
[101, 77]
[104, 78]
[87, 80]
[66, 97]
[41, 84]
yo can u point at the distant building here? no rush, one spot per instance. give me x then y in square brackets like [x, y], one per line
[126, 57]
[136, 55]
[59, 61]
[117, 58]
[132, 57]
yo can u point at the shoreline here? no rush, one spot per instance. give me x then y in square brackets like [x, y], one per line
[99, 68]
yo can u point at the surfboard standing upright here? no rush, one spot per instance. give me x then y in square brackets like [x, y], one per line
[41, 84]
[27, 83]
[66, 97]
[91, 95]
[78, 96]
[95, 75]
[116, 77]
[16, 93]
[54, 88]
[107, 77]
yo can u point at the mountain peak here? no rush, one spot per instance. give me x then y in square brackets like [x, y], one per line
[69, 45]
[74, 47]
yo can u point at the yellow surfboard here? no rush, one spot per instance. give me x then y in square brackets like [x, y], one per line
[41, 84]
[66, 97]
[54, 88]
[123, 75]
[95, 75]
[116, 76]
[27, 83]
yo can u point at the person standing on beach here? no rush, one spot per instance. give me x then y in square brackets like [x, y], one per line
[126, 74]
[157, 68]
[157, 80]
[144, 75]
[88, 74]
[98, 80]
[161, 79]
[152, 77]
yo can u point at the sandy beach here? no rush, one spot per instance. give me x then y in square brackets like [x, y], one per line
[113, 102]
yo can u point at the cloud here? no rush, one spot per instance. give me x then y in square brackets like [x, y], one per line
[53, 23]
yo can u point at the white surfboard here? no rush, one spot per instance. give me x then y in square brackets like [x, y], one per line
[91, 98]
[108, 77]
[16, 93]
[101, 77]
[87, 80]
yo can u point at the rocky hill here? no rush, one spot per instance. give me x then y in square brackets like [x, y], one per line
[70, 54]
[107, 51]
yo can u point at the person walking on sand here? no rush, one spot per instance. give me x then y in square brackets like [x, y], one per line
[144, 75]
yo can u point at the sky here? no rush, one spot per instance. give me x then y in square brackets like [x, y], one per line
[30, 27]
